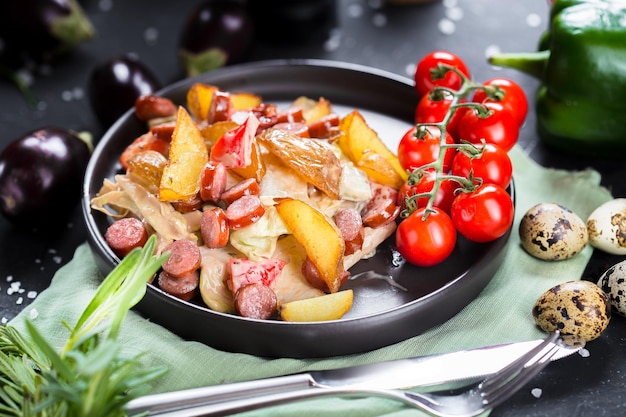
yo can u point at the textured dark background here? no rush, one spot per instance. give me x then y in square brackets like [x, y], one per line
[368, 32]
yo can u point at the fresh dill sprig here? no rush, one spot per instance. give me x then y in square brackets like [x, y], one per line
[89, 377]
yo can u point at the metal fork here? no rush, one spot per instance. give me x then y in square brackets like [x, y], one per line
[466, 402]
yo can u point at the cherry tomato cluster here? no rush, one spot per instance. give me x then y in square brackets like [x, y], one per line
[457, 154]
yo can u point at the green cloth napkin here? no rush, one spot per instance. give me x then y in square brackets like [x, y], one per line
[501, 313]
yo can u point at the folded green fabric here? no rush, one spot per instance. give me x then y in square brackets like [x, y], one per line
[501, 313]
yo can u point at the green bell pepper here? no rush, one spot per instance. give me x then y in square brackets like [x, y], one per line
[581, 61]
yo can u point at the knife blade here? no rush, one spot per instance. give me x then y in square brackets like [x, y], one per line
[442, 371]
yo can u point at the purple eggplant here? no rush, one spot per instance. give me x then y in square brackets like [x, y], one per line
[216, 33]
[41, 175]
[43, 28]
[115, 84]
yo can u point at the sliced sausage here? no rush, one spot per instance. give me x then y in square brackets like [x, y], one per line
[291, 115]
[214, 228]
[350, 225]
[213, 181]
[324, 127]
[384, 210]
[184, 258]
[256, 301]
[126, 234]
[187, 206]
[244, 211]
[312, 275]
[163, 131]
[220, 107]
[185, 287]
[249, 186]
[298, 129]
[149, 107]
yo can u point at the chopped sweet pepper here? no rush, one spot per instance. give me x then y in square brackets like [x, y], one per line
[581, 61]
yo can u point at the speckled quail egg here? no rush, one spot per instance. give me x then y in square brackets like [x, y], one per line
[613, 283]
[606, 226]
[578, 308]
[552, 232]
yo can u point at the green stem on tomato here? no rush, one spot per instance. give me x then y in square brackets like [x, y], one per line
[467, 87]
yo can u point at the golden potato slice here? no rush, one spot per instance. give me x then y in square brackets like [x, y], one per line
[322, 240]
[322, 308]
[257, 168]
[199, 98]
[312, 159]
[379, 169]
[188, 155]
[214, 131]
[244, 101]
[360, 141]
[313, 110]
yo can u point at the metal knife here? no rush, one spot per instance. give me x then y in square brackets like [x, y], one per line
[441, 371]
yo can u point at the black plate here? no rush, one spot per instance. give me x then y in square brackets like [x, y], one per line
[382, 314]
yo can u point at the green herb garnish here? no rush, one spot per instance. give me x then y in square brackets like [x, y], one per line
[89, 377]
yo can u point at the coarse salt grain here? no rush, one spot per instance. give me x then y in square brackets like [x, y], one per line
[5, 320]
[19, 300]
[31, 294]
[584, 353]
[33, 314]
[536, 392]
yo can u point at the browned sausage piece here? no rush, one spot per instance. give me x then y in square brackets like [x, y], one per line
[350, 224]
[185, 258]
[149, 107]
[213, 181]
[163, 131]
[185, 287]
[220, 107]
[126, 234]
[324, 127]
[291, 115]
[214, 228]
[244, 211]
[383, 211]
[249, 186]
[298, 129]
[187, 206]
[256, 301]
[312, 275]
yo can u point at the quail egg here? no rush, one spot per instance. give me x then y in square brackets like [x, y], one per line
[607, 227]
[578, 308]
[613, 283]
[552, 232]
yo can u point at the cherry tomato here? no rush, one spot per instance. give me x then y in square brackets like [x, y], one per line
[430, 110]
[500, 128]
[443, 199]
[414, 152]
[514, 100]
[493, 166]
[484, 214]
[426, 242]
[423, 77]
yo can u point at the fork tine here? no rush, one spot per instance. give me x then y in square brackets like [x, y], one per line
[496, 389]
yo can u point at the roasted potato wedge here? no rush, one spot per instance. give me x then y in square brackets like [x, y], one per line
[322, 240]
[188, 155]
[244, 101]
[313, 160]
[322, 308]
[199, 98]
[257, 168]
[361, 144]
[214, 131]
[313, 110]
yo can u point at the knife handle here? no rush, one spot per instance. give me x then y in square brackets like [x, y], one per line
[168, 402]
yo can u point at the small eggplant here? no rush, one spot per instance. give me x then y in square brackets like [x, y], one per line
[44, 28]
[115, 84]
[41, 176]
[216, 33]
